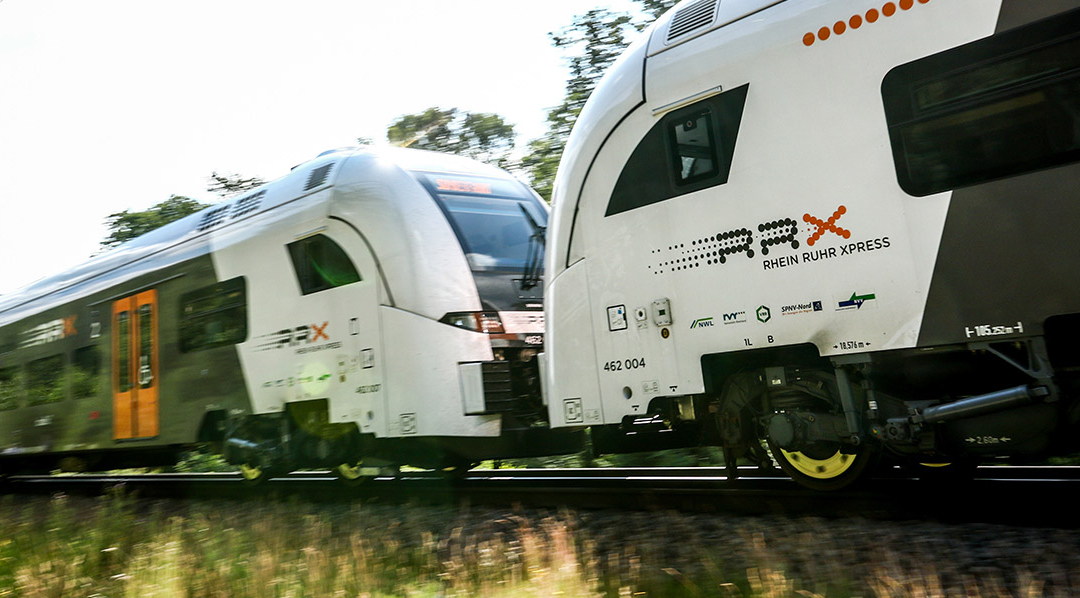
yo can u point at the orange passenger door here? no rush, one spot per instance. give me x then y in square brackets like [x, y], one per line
[135, 366]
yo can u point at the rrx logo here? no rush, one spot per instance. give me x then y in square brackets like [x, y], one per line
[778, 232]
[301, 335]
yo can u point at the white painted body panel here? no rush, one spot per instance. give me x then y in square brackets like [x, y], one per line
[374, 349]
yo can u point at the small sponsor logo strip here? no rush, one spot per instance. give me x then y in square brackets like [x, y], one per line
[801, 308]
[764, 314]
[702, 323]
[734, 317]
[856, 301]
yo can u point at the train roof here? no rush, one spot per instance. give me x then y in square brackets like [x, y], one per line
[192, 231]
[693, 18]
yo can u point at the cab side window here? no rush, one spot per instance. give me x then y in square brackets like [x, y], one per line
[321, 264]
[688, 150]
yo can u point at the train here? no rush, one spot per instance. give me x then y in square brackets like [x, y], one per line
[826, 235]
[372, 308]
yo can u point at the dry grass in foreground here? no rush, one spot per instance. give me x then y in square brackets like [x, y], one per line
[116, 546]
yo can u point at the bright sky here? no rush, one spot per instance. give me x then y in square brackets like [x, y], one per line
[111, 105]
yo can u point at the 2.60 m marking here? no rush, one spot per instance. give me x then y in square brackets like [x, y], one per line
[625, 364]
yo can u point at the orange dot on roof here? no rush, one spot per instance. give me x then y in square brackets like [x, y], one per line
[871, 15]
[823, 33]
[839, 28]
[907, 4]
[855, 22]
[923, 1]
[808, 39]
[889, 9]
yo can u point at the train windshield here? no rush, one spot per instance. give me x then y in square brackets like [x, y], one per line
[495, 219]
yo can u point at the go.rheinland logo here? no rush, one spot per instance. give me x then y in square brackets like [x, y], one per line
[764, 314]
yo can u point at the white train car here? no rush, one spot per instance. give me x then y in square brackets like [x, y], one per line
[373, 307]
[844, 228]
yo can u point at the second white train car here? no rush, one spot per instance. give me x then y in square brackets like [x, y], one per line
[372, 307]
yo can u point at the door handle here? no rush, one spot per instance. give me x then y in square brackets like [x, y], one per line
[146, 375]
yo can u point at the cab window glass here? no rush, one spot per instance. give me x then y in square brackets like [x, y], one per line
[694, 149]
[214, 316]
[495, 220]
[688, 150]
[45, 380]
[321, 264]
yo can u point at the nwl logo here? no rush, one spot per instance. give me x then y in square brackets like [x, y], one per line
[701, 323]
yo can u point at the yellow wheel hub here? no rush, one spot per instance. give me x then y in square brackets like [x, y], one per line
[822, 469]
[348, 472]
[251, 472]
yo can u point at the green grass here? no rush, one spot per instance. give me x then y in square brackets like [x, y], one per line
[116, 546]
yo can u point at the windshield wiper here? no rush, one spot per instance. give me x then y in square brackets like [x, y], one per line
[534, 264]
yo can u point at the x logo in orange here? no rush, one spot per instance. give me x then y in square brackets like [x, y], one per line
[320, 331]
[824, 226]
[69, 326]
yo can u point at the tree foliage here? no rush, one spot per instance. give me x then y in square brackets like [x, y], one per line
[228, 185]
[478, 135]
[126, 225]
[593, 41]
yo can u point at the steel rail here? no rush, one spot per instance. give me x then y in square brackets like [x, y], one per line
[1018, 495]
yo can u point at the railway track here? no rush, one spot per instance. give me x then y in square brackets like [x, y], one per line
[1017, 495]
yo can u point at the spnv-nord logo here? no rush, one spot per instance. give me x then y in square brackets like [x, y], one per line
[764, 314]
[701, 323]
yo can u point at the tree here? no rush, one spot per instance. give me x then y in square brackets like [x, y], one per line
[595, 39]
[228, 185]
[125, 226]
[478, 135]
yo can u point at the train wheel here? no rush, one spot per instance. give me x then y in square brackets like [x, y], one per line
[824, 469]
